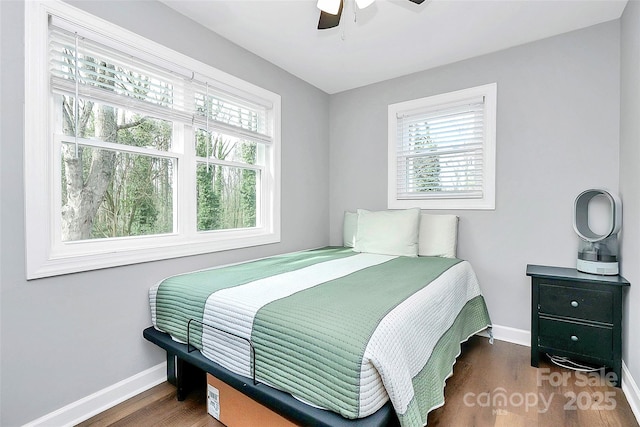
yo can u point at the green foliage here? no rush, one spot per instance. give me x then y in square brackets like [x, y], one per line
[114, 193]
[248, 187]
[426, 166]
[209, 217]
[138, 199]
[226, 194]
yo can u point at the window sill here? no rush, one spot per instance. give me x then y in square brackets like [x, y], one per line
[50, 264]
[443, 204]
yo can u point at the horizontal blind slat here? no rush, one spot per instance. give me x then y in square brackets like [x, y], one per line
[97, 94]
[467, 116]
[475, 144]
[230, 130]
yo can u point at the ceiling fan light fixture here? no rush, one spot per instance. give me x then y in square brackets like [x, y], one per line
[329, 6]
[364, 3]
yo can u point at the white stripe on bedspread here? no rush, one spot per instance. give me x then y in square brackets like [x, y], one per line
[396, 353]
[234, 309]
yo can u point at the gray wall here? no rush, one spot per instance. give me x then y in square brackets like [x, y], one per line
[66, 337]
[557, 135]
[559, 109]
[630, 178]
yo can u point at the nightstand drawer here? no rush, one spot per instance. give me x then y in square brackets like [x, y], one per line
[595, 341]
[587, 304]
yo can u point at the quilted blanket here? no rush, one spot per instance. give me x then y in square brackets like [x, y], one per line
[337, 329]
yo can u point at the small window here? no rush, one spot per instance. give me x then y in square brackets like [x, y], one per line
[442, 151]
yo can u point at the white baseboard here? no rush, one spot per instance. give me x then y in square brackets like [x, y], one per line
[508, 334]
[104, 399]
[631, 391]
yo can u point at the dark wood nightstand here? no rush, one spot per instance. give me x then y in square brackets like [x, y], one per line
[576, 315]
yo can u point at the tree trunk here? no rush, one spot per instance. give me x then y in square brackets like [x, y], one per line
[85, 197]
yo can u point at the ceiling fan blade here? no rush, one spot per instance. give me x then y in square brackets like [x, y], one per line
[417, 1]
[328, 20]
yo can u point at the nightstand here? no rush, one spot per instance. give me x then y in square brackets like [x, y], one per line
[576, 315]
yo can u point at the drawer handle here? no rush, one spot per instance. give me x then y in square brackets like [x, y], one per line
[574, 303]
[574, 338]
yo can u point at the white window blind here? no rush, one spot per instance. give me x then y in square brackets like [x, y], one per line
[82, 66]
[442, 150]
[216, 110]
[120, 77]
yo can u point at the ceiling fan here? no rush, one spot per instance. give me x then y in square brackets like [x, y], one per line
[331, 10]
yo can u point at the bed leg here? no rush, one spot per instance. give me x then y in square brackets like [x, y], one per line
[181, 386]
[188, 378]
[490, 329]
[171, 368]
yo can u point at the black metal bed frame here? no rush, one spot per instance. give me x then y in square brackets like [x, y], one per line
[186, 367]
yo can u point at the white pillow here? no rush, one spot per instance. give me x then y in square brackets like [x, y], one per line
[438, 235]
[349, 228]
[388, 232]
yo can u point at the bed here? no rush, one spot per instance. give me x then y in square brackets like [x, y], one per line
[334, 336]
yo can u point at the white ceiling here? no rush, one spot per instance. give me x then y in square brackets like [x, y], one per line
[389, 38]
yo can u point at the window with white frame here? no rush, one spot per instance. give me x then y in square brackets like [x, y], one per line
[134, 152]
[442, 151]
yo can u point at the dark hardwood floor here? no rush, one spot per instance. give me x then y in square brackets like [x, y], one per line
[492, 386]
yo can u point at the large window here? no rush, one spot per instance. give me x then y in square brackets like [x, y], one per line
[442, 151]
[134, 152]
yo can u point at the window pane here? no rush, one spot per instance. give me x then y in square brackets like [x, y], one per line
[113, 194]
[113, 124]
[440, 153]
[226, 197]
[222, 147]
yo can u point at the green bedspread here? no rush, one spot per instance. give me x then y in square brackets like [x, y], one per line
[327, 343]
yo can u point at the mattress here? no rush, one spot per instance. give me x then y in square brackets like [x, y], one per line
[340, 330]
